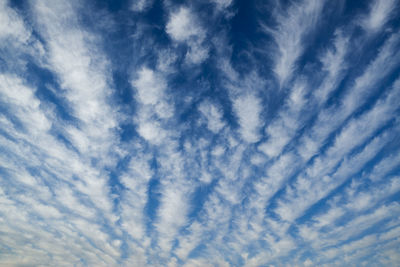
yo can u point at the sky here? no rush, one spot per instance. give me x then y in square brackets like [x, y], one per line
[200, 133]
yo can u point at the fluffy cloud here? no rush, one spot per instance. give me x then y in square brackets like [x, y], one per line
[183, 26]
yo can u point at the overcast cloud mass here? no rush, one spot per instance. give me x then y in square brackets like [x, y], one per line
[200, 133]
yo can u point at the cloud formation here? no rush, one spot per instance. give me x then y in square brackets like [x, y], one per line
[208, 133]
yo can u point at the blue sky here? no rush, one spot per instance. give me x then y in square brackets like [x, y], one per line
[200, 133]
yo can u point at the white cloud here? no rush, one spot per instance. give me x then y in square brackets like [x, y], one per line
[166, 60]
[70, 186]
[313, 189]
[329, 119]
[152, 132]
[325, 230]
[197, 53]
[334, 63]
[286, 124]
[12, 25]
[384, 166]
[183, 26]
[308, 189]
[68, 199]
[24, 103]
[75, 57]
[384, 63]
[248, 110]
[362, 200]
[293, 25]
[190, 242]
[150, 87]
[155, 108]
[380, 13]
[308, 262]
[213, 115]
[141, 5]
[66, 184]
[172, 213]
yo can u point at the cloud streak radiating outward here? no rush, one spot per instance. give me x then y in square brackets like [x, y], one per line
[199, 133]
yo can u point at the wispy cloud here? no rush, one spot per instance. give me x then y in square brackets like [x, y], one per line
[380, 13]
[207, 133]
[248, 109]
[183, 26]
[292, 26]
[343, 144]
